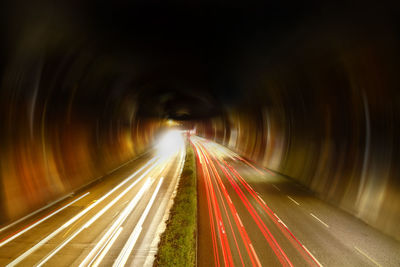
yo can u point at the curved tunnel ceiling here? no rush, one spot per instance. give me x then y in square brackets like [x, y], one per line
[204, 52]
[308, 89]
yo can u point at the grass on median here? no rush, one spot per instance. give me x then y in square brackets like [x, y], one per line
[177, 245]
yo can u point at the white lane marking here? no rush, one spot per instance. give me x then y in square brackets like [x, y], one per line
[255, 255]
[33, 213]
[277, 188]
[90, 258]
[312, 256]
[262, 200]
[128, 247]
[297, 203]
[79, 215]
[319, 220]
[279, 220]
[40, 221]
[230, 200]
[365, 254]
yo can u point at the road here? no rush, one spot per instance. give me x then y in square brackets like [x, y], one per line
[115, 221]
[250, 216]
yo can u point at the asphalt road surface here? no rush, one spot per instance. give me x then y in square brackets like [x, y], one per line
[115, 221]
[249, 216]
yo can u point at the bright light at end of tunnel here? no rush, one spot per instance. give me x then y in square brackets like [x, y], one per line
[170, 143]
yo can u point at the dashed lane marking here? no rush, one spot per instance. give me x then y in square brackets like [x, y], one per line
[318, 219]
[297, 203]
[365, 254]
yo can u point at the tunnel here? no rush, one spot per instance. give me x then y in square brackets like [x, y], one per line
[307, 91]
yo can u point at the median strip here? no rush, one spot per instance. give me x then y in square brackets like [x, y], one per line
[177, 245]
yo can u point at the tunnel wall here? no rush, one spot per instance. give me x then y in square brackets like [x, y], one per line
[329, 119]
[66, 120]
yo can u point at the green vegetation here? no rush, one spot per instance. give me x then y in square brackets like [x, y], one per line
[177, 245]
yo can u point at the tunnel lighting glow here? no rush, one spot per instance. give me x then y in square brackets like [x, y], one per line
[170, 143]
[172, 123]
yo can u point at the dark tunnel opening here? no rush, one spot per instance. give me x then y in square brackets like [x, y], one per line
[308, 90]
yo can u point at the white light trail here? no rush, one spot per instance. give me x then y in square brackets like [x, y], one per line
[107, 248]
[33, 213]
[127, 249]
[79, 215]
[40, 221]
[170, 143]
[118, 222]
[92, 220]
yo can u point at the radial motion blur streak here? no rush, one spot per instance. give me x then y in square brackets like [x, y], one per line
[239, 205]
[122, 213]
[292, 109]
